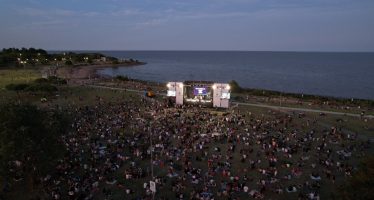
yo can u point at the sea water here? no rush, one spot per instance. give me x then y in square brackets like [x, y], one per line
[349, 75]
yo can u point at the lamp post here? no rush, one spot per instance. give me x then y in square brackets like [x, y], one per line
[151, 149]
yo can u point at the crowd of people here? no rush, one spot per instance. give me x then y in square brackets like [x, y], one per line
[115, 150]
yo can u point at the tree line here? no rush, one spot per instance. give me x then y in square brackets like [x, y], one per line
[14, 57]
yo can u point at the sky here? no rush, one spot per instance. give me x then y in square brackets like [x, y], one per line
[254, 25]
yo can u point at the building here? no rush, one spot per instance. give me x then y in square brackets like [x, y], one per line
[204, 93]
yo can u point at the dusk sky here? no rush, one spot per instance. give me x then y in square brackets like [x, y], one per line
[260, 25]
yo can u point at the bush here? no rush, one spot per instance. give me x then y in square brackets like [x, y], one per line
[17, 87]
[41, 87]
[122, 78]
[68, 62]
[360, 185]
[51, 80]
[235, 88]
[41, 80]
[40, 84]
[56, 80]
[31, 136]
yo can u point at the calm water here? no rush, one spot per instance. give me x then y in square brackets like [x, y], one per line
[348, 75]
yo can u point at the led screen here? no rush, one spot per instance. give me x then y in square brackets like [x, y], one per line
[225, 95]
[171, 93]
[200, 91]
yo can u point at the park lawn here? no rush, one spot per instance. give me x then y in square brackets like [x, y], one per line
[21, 97]
[236, 168]
[79, 96]
[364, 127]
[8, 76]
[306, 104]
[82, 96]
[68, 96]
[365, 130]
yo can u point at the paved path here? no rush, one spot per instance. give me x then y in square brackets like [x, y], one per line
[115, 88]
[254, 104]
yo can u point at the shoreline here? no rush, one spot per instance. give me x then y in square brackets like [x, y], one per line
[82, 74]
[89, 73]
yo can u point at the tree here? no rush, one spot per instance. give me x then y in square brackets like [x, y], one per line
[360, 185]
[235, 87]
[68, 62]
[30, 137]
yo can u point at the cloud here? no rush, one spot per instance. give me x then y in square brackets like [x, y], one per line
[48, 23]
[51, 13]
[34, 12]
[31, 12]
[127, 12]
[91, 14]
[151, 22]
[273, 24]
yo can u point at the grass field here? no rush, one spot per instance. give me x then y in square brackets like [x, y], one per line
[8, 76]
[363, 126]
[68, 96]
[78, 96]
[81, 96]
[294, 103]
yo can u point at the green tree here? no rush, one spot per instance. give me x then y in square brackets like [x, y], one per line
[68, 62]
[360, 185]
[235, 87]
[29, 136]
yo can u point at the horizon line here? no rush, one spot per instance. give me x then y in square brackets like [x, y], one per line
[181, 50]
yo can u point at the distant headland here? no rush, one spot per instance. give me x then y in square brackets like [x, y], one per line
[29, 57]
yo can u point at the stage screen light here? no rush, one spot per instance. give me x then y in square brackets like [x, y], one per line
[200, 91]
[225, 95]
[171, 93]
